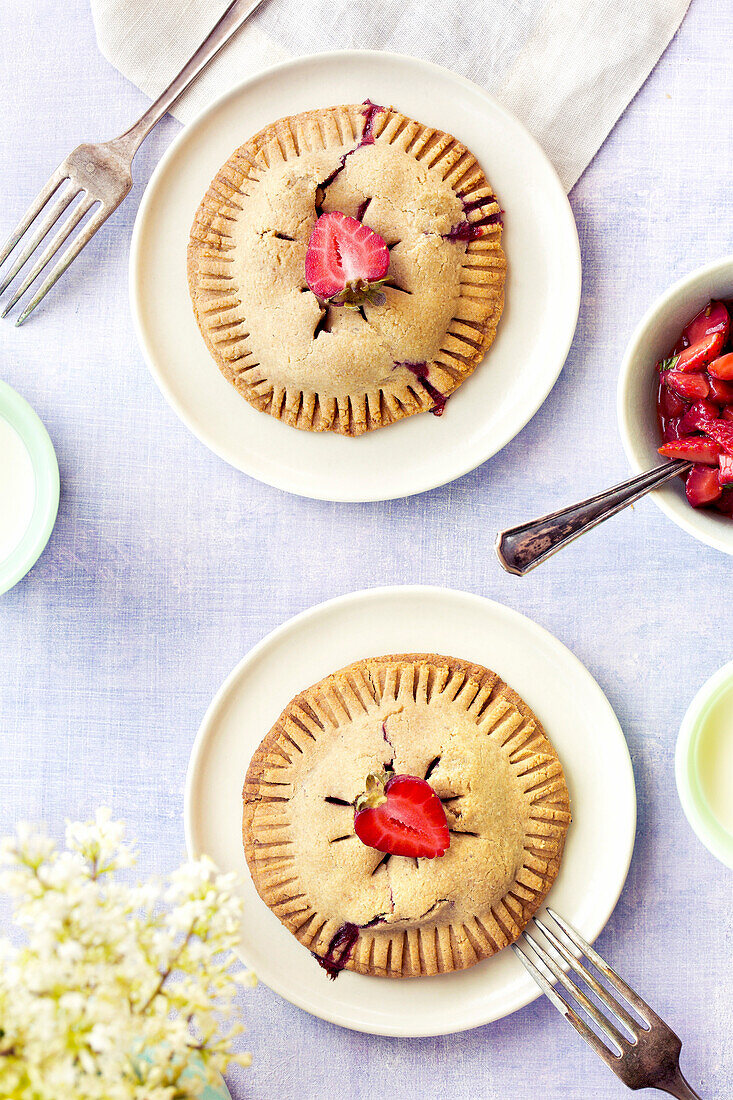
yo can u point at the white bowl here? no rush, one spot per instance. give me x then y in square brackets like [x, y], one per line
[655, 334]
[714, 695]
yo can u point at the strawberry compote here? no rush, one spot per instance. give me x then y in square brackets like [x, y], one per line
[695, 406]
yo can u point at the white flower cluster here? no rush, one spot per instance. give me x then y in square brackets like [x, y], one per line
[119, 992]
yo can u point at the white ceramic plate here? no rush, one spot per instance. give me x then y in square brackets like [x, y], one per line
[409, 619]
[543, 289]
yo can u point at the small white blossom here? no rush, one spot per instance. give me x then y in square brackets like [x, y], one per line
[119, 992]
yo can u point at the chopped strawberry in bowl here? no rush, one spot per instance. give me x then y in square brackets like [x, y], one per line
[695, 406]
[687, 334]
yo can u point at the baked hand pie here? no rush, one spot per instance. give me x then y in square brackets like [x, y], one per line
[372, 351]
[405, 816]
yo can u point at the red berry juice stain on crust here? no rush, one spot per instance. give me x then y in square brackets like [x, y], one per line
[367, 138]
[372, 110]
[464, 231]
[471, 231]
[476, 204]
[362, 210]
[339, 950]
[421, 371]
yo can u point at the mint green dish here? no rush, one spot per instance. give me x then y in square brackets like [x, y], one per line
[218, 1091]
[16, 411]
[702, 731]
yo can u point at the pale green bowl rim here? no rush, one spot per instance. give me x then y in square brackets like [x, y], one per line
[707, 827]
[19, 414]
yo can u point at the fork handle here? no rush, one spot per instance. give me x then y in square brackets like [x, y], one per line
[521, 548]
[679, 1087]
[236, 14]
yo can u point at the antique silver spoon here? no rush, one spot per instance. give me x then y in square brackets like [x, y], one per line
[521, 548]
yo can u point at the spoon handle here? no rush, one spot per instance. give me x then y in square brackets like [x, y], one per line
[521, 548]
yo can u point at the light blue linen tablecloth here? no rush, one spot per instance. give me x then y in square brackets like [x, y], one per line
[166, 565]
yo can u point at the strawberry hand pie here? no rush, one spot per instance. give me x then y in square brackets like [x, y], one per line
[405, 816]
[346, 268]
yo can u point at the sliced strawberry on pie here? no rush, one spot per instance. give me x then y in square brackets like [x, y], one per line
[346, 262]
[402, 816]
[693, 449]
[690, 386]
[702, 486]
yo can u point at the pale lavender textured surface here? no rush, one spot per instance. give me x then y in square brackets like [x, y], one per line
[166, 566]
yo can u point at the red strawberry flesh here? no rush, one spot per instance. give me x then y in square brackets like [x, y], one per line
[725, 473]
[724, 503]
[722, 367]
[409, 820]
[692, 449]
[696, 417]
[721, 432]
[720, 392]
[691, 386]
[698, 355]
[344, 256]
[702, 486]
[670, 404]
[713, 318]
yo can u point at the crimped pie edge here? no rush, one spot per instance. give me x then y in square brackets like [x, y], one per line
[427, 949]
[470, 332]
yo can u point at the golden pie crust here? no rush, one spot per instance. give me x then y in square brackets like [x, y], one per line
[486, 756]
[332, 368]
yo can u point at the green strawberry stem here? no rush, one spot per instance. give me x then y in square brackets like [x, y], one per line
[358, 291]
[374, 794]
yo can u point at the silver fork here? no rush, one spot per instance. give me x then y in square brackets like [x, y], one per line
[646, 1054]
[99, 177]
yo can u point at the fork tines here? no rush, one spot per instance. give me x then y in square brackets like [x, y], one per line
[64, 201]
[622, 1029]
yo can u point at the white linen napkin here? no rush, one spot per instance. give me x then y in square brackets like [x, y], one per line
[566, 68]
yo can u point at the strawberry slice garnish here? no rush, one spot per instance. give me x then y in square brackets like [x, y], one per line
[691, 386]
[402, 816]
[713, 318]
[722, 367]
[693, 449]
[702, 486]
[346, 262]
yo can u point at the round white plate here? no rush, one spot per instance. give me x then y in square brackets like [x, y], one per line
[542, 294]
[565, 697]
